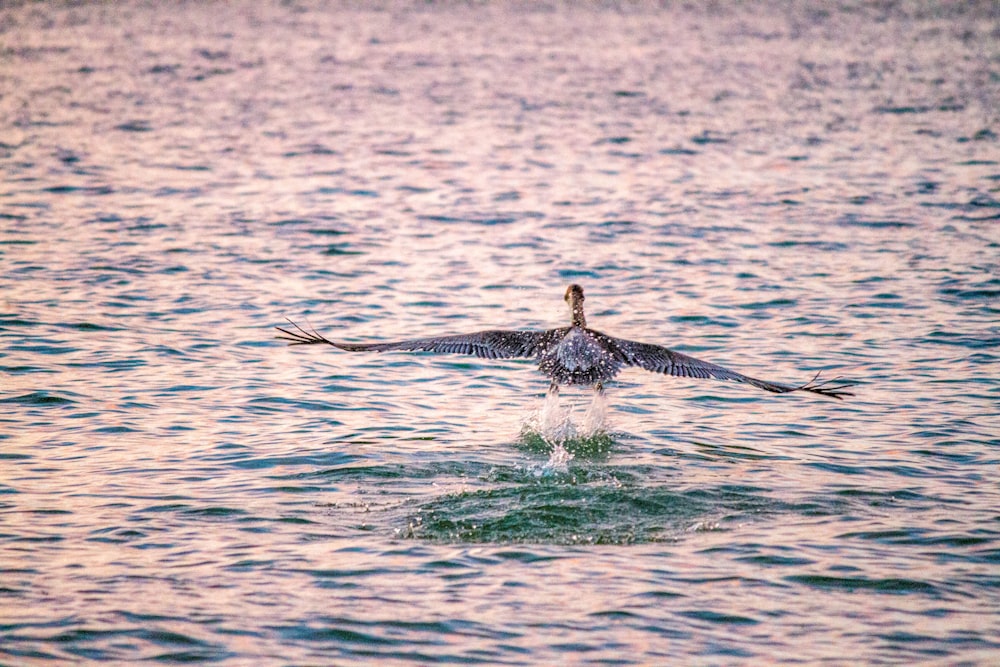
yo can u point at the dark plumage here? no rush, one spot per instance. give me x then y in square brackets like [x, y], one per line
[573, 355]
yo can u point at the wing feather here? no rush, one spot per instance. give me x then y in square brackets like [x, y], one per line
[659, 359]
[494, 344]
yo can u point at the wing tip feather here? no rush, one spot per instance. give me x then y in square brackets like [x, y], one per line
[299, 336]
[835, 387]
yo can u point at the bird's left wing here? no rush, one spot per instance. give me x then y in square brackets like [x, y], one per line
[659, 359]
[496, 344]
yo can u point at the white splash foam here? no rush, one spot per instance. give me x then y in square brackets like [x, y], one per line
[558, 461]
[593, 420]
[554, 423]
[556, 426]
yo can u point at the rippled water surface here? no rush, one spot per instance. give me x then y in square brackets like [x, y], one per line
[781, 189]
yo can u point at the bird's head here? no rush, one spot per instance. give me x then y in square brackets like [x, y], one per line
[574, 297]
[574, 294]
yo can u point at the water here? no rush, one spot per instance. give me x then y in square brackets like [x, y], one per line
[784, 191]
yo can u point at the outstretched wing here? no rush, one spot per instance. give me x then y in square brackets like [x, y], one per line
[659, 359]
[497, 344]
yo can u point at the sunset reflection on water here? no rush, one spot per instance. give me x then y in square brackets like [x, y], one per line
[792, 191]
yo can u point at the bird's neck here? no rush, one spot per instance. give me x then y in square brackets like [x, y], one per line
[579, 320]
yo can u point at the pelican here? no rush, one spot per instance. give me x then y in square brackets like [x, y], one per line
[573, 355]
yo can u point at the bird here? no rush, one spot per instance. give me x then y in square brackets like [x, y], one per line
[574, 355]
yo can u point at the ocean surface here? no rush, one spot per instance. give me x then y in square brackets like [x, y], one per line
[782, 188]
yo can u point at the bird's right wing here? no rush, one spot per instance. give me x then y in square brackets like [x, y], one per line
[496, 344]
[659, 359]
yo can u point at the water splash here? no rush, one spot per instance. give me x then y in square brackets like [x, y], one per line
[593, 420]
[558, 462]
[552, 430]
[553, 421]
[553, 425]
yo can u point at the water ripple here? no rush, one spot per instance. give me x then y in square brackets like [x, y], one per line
[763, 189]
